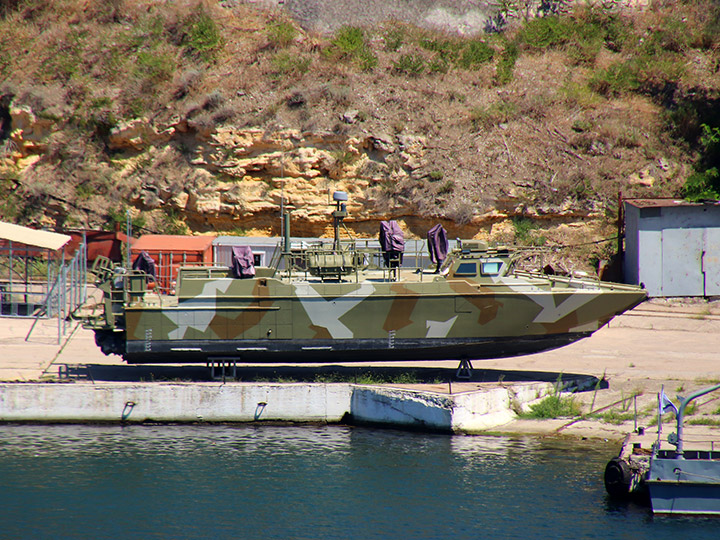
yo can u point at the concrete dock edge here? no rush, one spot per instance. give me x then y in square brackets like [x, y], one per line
[84, 402]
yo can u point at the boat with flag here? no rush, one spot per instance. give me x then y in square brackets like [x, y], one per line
[684, 480]
[680, 474]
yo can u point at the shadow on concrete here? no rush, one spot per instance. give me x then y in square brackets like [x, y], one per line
[318, 374]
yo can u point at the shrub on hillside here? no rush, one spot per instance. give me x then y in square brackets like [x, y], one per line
[447, 49]
[350, 44]
[409, 64]
[475, 54]
[546, 32]
[506, 63]
[286, 62]
[704, 183]
[394, 38]
[281, 34]
[202, 36]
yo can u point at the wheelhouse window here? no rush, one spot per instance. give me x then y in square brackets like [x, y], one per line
[490, 268]
[466, 269]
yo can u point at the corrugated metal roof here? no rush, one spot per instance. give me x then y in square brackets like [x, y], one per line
[32, 237]
[664, 203]
[169, 242]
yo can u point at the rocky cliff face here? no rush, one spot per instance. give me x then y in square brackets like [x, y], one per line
[236, 180]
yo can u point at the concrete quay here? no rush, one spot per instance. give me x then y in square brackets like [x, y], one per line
[467, 412]
[666, 343]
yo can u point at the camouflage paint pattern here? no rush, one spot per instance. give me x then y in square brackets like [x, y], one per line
[423, 316]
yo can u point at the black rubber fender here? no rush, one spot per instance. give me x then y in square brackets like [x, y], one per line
[618, 477]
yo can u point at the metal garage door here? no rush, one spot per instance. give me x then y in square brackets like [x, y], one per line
[682, 262]
[711, 262]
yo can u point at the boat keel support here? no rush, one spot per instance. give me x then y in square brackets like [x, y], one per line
[464, 370]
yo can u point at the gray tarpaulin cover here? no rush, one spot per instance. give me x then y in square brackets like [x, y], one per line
[392, 242]
[145, 263]
[437, 243]
[243, 262]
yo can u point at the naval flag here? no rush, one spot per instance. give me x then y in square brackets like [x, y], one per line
[665, 404]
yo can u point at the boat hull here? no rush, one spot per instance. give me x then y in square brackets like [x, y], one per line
[348, 350]
[268, 319]
[684, 486]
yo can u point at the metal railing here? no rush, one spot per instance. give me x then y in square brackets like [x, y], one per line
[67, 294]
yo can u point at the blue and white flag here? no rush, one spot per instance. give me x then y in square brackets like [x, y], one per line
[665, 404]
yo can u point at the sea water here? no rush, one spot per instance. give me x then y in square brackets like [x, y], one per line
[311, 482]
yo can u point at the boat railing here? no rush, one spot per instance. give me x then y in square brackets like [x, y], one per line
[678, 440]
[324, 259]
[575, 280]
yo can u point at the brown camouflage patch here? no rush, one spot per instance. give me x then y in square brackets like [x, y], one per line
[401, 309]
[486, 304]
[320, 332]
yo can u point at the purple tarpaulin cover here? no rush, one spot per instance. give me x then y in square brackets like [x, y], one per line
[145, 263]
[437, 243]
[392, 241]
[243, 262]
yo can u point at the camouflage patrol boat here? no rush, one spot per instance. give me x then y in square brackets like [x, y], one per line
[342, 302]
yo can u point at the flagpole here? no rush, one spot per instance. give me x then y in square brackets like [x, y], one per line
[660, 411]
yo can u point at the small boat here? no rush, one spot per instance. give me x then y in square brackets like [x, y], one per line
[339, 302]
[684, 481]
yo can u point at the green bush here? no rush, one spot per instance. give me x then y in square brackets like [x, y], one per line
[672, 35]
[409, 64]
[616, 417]
[64, 60]
[554, 406]
[475, 54]
[704, 183]
[171, 223]
[202, 35]
[155, 67]
[84, 191]
[394, 39]
[350, 44]
[617, 78]
[524, 228]
[438, 65]
[506, 64]
[546, 32]
[583, 33]
[447, 188]
[446, 49]
[285, 62]
[648, 74]
[349, 41]
[281, 34]
[709, 35]
[497, 113]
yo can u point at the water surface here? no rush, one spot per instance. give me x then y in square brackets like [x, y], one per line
[325, 482]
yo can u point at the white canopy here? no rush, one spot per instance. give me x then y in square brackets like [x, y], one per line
[32, 237]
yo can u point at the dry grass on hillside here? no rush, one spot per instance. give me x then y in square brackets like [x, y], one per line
[545, 120]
